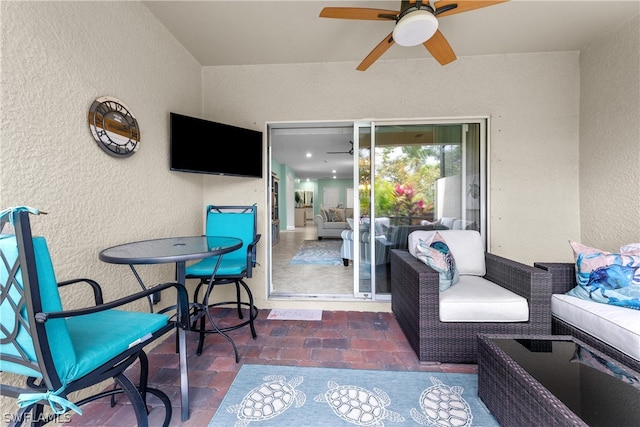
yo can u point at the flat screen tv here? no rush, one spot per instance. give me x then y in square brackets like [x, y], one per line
[203, 146]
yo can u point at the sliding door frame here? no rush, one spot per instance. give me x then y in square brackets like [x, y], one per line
[371, 125]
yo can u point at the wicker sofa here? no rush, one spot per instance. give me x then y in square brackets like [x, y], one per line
[589, 329]
[415, 302]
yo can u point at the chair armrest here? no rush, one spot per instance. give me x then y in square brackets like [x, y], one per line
[182, 305]
[532, 283]
[251, 254]
[414, 281]
[97, 290]
[563, 275]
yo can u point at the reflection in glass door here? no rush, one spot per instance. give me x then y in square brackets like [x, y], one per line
[414, 176]
[364, 280]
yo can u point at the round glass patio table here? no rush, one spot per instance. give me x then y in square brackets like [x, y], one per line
[176, 250]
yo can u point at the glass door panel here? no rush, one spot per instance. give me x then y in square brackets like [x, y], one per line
[364, 286]
[417, 176]
[413, 176]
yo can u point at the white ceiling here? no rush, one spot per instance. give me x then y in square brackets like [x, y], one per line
[238, 32]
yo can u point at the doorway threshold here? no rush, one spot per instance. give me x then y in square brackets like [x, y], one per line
[316, 297]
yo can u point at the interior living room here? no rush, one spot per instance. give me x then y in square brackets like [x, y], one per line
[561, 108]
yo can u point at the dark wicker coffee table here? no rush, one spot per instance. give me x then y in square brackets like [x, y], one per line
[555, 381]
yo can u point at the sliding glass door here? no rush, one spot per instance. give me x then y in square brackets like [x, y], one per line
[413, 176]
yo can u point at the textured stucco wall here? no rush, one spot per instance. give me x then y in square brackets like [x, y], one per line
[57, 57]
[532, 101]
[610, 139]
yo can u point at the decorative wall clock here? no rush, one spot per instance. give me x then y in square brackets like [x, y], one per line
[114, 127]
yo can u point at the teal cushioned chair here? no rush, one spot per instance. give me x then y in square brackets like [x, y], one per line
[233, 267]
[60, 351]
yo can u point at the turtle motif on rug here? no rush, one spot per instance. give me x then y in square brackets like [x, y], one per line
[442, 405]
[358, 405]
[268, 400]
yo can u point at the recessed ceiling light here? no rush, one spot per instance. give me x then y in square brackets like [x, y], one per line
[308, 154]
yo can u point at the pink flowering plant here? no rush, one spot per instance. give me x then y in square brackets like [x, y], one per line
[407, 202]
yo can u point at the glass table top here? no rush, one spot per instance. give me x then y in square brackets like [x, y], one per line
[170, 249]
[599, 390]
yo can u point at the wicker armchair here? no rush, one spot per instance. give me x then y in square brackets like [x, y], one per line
[563, 279]
[415, 304]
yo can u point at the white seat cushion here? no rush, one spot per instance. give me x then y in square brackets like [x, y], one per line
[474, 299]
[466, 246]
[617, 326]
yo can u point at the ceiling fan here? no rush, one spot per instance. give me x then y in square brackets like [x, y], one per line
[350, 152]
[416, 23]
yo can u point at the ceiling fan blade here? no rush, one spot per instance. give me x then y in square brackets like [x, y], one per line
[464, 6]
[440, 48]
[376, 53]
[357, 13]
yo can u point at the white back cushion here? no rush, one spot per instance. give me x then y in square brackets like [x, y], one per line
[465, 245]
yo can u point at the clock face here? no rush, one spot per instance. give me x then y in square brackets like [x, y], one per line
[114, 127]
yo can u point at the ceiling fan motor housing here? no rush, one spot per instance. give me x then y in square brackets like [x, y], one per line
[415, 27]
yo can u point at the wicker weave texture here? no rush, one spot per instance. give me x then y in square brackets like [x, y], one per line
[415, 301]
[564, 279]
[513, 396]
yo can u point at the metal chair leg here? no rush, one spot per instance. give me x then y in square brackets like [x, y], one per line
[240, 316]
[253, 311]
[135, 398]
[205, 304]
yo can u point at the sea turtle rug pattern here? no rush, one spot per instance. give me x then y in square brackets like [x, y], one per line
[438, 405]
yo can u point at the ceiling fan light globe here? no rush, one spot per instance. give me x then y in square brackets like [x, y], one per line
[415, 28]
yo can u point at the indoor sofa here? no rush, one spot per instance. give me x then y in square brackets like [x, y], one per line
[615, 331]
[493, 295]
[332, 222]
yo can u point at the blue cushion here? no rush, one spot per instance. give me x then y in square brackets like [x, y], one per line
[236, 224]
[232, 224]
[60, 342]
[609, 278]
[227, 267]
[9, 252]
[78, 344]
[99, 337]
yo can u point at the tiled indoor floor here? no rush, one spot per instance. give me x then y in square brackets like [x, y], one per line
[319, 279]
[342, 339]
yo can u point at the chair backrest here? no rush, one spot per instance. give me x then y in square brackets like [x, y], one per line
[29, 287]
[466, 246]
[235, 221]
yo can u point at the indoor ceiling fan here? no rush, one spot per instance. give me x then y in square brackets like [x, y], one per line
[416, 23]
[350, 152]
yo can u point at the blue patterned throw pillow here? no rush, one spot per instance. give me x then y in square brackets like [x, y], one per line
[436, 254]
[609, 278]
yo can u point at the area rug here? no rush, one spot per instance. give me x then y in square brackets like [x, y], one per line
[305, 396]
[318, 252]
